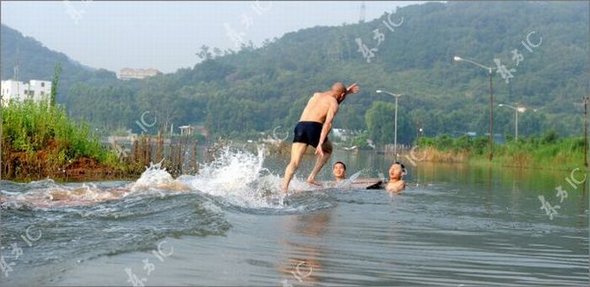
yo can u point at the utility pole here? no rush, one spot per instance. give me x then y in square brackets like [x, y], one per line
[1, 135]
[362, 15]
[586, 130]
[491, 139]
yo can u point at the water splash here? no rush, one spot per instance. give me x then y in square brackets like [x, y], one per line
[50, 194]
[156, 179]
[348, 182]
[236, 178]
[239, 178]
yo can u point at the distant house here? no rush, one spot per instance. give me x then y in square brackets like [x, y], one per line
[186, 130]
[189, 130]
[128, 73]
[17, 91]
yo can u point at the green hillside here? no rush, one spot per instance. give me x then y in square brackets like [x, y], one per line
[37, 62]
[238, 94]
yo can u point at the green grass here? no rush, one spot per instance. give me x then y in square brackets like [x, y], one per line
[35, 128]
[547, 151]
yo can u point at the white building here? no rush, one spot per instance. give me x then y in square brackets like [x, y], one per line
[35, 90]
[128, 73]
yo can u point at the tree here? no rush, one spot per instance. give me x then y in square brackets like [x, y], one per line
[379, 121]
[204, 54]
[55, 83]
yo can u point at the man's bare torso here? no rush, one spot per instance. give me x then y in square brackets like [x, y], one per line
[317, 108]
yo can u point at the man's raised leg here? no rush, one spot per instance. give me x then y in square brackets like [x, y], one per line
[297, 151]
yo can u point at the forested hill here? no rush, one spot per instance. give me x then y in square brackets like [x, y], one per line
[37, 62]
[544, 45]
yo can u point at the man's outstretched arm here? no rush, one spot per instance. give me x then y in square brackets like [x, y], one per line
[352, 89]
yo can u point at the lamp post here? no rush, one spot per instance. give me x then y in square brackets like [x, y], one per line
[586, 99]
[516, 111]
[491, 128]
[395, 120]
[1, 135]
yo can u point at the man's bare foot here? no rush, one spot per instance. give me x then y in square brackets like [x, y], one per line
[313, 182]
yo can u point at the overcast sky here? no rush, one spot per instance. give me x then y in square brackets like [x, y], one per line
[166, 35]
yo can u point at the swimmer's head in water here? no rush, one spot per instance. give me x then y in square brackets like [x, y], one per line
[397, 170]
[339, 170]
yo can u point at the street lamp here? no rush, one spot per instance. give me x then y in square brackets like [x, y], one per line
[516, 111]
[1, 134]
[395, 121]
[586, 99]
[489, 69]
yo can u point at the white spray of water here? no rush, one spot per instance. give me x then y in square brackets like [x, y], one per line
[348, 182]
[238, 177]
[59, 196]
[153, 176]
[47, 193]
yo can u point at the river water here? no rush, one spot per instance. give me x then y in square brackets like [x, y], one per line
[455, 225]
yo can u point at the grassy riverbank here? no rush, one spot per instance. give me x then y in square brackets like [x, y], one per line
[39, 141]
[546, 152]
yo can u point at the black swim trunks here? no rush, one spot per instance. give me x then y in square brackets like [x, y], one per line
[308, 133]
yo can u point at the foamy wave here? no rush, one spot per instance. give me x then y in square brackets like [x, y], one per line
[236, 177]
[153, 176]
[59, 196]
[239, 178]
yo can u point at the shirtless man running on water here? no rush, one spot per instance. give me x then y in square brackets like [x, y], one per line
[313, 128]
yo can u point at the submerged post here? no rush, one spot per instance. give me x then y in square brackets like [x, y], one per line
[195, 165]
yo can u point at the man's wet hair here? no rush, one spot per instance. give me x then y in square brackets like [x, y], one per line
[339, 162]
